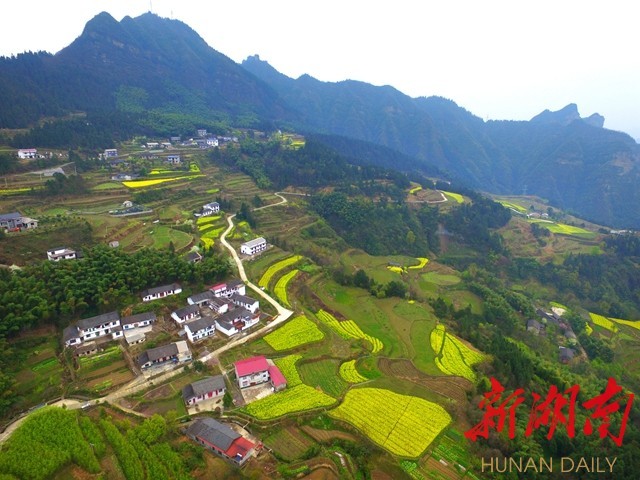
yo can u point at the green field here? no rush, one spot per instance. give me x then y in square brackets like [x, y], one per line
[402, 424]
[280, 289]
[276, 267]
[349, 372]
[323, 374]
[563, 229]
[453, 356]
[456, 197]
[291, 400]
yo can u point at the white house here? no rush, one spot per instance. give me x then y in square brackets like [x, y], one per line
[174, 159]
[209, 387]
[220, 305]
[212, 141]
[15, 221]
[92, 328]
[185, 314]
[161, 292]
[236, 321]
[201, 328]
[254, 246]
[201, 132]
[249, 303]
[137, 321]
[27, 153]
[229, 288]
[111, 153]
[61, 253]
[208, 209]
[252, 371]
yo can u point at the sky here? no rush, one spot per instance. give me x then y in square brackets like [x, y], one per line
[499, 59]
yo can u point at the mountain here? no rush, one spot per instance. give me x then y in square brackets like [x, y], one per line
[162, 75]
[572, 161]
[146, 63]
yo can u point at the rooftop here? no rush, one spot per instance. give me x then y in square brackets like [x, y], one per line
[255, 242]
[277, 378]
[163, 288]
[188, 310]
[157, 353]
[93, 322]
[200, 324]
[213, 432]
[140, 317]
[201, 387]
[252, 365]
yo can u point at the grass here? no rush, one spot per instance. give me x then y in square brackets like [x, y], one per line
[444, 280]
[323, 374]
[603, 322]
[163, 236]
[514, 206]
[157, 181]
[564, 229]
[349, 329]
[296, 332]
[288, 443]
[107, 186]
[401, 424]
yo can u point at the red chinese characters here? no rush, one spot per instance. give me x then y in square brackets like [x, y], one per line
[556, 409]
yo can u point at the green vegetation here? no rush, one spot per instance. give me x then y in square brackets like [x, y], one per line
[323, 374]
[603, 322]
[349, 372]
[395, 422]
[55, 436]
[287, 366]
[456, 197]
[349, 329]
[453, 356]
[563, 229]
[292, 400]
[298, 331]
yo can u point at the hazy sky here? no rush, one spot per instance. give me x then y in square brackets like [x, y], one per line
[499, 59]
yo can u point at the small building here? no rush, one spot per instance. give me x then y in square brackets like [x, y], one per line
[185, 314]
[14, 221]
[201, 299]
[137, 321]
[61, 253]
[193, 257]
[252, 371]
[161, 292]
[92, 328]
[27, 153]
[254, 246]
[534, 327]
[212, 141]
[174, 352]
[221, 440]
[208, 210]
[249, 303]
[114, 244]
[566, 354]
[569, 335]
[209, 387]
[124, 177]
[111, 153]
[87, 349]
[277, 379]
[229, 288]
[220, 305]
[153, 145]
[202, 328]
[201, 132]
[174, 159]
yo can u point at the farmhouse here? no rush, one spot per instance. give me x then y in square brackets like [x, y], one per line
[93, 327]
[201, 299]
[247, 302]
[174, 159]
[14, 221]
[220, 305]
[212, 141]
[221, 440]
[61, 253]
[27, 153]
[123, 177]
[204, 389]
[566, 354]
[139, 320]
[229, 288]
[111, 153]
[236, 321]
[254, 246]
[534, 327]
[174, 352]
[201, 328]
[201, 132]
[208, 210]
[186, 313]
[252, 371]
[161, 292]
[258, 370]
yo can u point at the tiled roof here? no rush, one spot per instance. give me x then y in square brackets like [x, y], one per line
[252, 365]
[201, 387]
[213, 432]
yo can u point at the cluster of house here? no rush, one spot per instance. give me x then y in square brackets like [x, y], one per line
[16, 222]
[230, 312]
[208, 210]
[536, 327]
[108, 326]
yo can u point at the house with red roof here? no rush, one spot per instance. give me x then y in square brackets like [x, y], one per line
[257, 370]
[221, 440]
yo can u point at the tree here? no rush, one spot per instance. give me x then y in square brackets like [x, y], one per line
[227, 400]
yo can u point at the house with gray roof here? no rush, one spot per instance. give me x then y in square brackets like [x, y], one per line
[221, 440]
[15, 221]
[173, 352]
[202, 328]
[139, 320]
[161, 292]
[204, 389]
[249, 303]
[254, 246]
[185, 314]
[92, 328]
[201, 299]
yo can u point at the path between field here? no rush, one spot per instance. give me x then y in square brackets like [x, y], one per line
[444, 199]
[142, 382]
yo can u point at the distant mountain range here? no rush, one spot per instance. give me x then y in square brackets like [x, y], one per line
[162, 67]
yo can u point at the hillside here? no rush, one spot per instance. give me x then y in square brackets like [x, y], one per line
[150, 75]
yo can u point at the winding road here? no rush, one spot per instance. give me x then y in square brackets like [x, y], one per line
[143, 382]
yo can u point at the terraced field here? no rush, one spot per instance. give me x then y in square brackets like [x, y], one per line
[402, 424]
[276, 267]
[298, 331]
[454, 357]
[349, 329]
